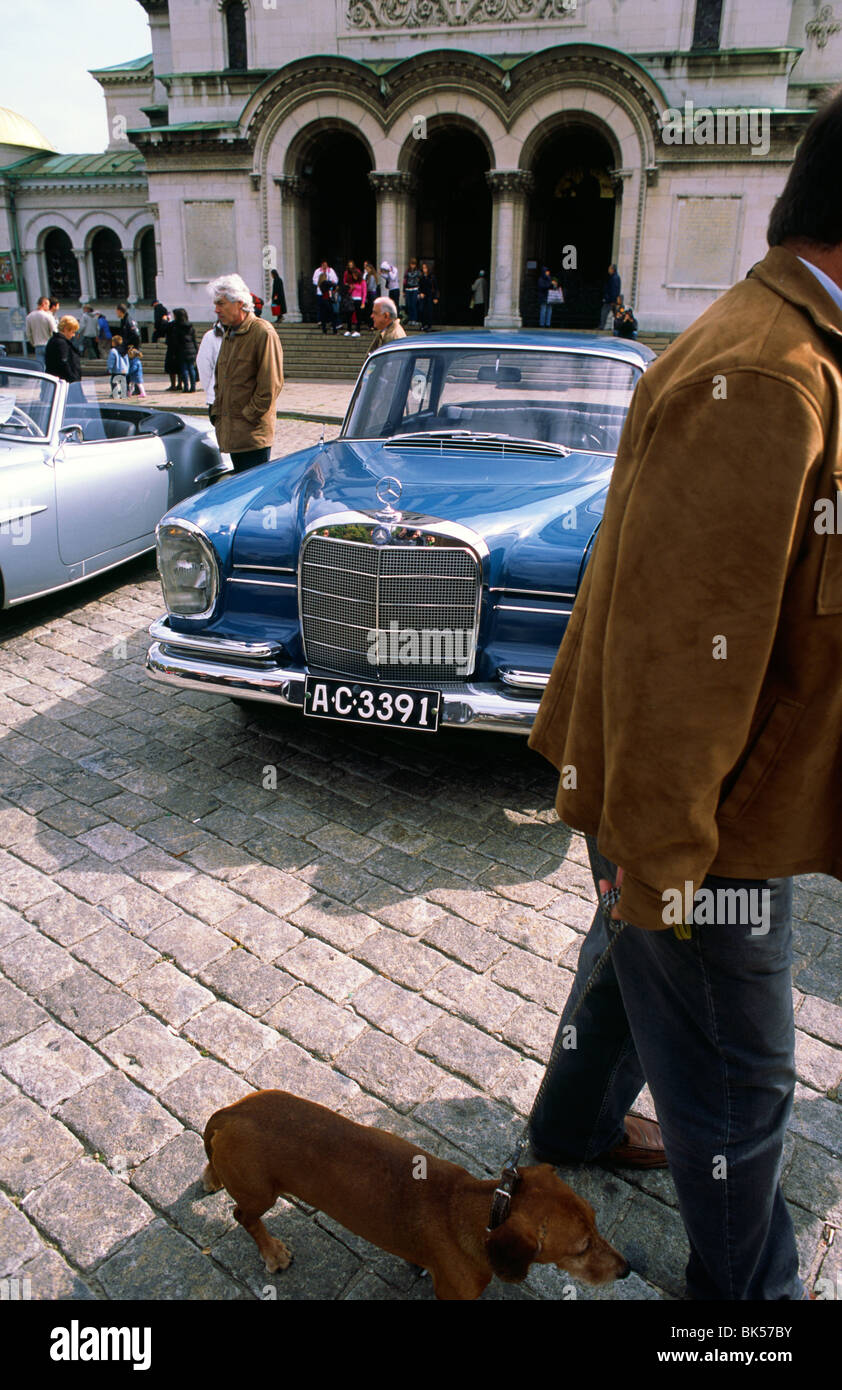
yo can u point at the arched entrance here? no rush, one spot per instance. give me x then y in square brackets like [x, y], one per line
[572, 206]
[148, 265]
[343, 221]
[110, 278]
[62, 266]
[453, 216]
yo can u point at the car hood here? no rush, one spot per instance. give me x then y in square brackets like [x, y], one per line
[535, 512]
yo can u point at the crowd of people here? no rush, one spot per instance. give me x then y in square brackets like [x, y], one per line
[351, 300]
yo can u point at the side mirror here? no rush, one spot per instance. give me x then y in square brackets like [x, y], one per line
[72, 432]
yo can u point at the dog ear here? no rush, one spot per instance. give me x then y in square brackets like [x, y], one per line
[512, 1248]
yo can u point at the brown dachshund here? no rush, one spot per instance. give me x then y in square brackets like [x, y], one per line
[393, 1194]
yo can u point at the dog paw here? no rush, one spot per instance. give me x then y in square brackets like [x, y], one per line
[278, 1258]
[210, 1182]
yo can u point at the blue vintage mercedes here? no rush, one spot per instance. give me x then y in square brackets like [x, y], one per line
[418, 571]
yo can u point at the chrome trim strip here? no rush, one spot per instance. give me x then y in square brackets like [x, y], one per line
[469, 706]
[450, 530]
[530, 593]
[525, 680]
[519, 608]
[265, 583]
[161, 631]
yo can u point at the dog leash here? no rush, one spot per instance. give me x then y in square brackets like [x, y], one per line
[509, 1178]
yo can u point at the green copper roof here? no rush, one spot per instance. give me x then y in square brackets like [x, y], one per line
[75, 166]
[134, 65]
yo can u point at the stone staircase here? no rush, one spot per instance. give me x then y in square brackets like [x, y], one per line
[310, 355]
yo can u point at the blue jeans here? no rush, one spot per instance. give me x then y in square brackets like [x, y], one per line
[545, 315]
[41, 354]
[187, 376]
[708, 1023]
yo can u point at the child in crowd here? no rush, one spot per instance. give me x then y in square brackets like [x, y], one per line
[135, 374]
[118, 368]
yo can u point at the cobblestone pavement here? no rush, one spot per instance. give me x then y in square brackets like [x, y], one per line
[203, 900]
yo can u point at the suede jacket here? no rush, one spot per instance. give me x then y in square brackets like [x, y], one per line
[695, 705]
[249, 379]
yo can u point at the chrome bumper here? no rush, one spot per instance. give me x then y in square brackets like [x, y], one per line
[249, 670]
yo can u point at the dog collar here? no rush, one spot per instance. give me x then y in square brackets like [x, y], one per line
[501, 1204]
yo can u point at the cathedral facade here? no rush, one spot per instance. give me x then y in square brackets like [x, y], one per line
[495, 135]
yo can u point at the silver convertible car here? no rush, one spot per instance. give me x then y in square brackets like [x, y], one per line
[84, 483]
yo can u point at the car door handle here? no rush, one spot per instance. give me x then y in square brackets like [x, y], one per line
[161, 466]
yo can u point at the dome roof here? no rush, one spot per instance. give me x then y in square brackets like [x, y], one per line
[19, 134]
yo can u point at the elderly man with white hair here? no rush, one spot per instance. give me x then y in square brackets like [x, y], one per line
[249, 376]
[384, 316]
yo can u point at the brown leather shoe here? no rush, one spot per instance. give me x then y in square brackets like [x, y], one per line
[642, 1147]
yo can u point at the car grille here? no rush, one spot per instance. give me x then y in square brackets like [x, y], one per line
[350, 590]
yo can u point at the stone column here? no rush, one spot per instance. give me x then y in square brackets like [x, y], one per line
[84, 282]
[509, 188]
[295, 221]
[393, 192]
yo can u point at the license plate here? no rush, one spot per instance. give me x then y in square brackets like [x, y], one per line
[392, 706]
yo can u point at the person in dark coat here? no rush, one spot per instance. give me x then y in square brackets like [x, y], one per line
[129, 331]
[162, 318]
[428, 295]
[62, 357]
[610, 296]
[184, 350]
[170, 356]
[279, 299]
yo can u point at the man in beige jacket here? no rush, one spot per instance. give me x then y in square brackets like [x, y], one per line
[249, 376]
[695, 711]
[384, 316]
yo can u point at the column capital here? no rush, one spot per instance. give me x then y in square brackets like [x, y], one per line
[392, 183]
[509, 183]
[294, 186]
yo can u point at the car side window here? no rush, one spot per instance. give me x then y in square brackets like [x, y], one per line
[420, 388]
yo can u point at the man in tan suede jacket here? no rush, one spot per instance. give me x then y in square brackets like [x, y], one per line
[696, 709]
[249, 376]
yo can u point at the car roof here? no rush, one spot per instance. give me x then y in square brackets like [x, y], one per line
[552, 340]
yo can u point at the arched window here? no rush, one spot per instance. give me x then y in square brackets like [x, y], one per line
[110, 279]
[235, 27]
[62, 267]
[148, 265]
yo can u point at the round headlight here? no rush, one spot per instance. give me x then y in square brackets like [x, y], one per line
[188, 570]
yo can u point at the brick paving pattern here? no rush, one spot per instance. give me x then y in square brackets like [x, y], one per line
[386, 925]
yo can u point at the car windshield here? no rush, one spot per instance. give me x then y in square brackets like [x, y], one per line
[574, 399]
[26, 404]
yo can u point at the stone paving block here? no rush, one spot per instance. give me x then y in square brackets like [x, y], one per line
[15, 825]
[270, 845]
[463, 900]
[50, 1064]
[814, 1181]
[118, 1120]
[335, 922]
[413, 916]
[88, 1005]
[173, 1172]
[276, 891]
[326, 969]
[458, 1047]
[821, 1019]
[160, 1264]
[321, 1268]
[537, 979]
[458, 859]
[22, 885]
[479, 1126]
[190, 942]
[394, 1010]
[67, 919]
[148, 1052]
[19, 1240]
[33, 1147]
[406, 961]
[476, 999]
[87, 1212]
[127, 809]
[532, 1030]
[262, 933]
[816, 1064]
[157, 870]
[390, 1271]
[535, 932]
[519, 1086]
[170, 993]
[384, 1066]
[18, 1014]
[653, 1240]
[72, 817]
[116, 954]
[204, 1218]
[815, 1118]
[519, 888]
[52, 1280]
[331, 877]
[402, 837]
[203, 897]
[572, 911]
[288, 1067]
[288, 816]
[200, 1092]
[12, 925]
[314, 1022]
[137, 908]
[92, 878]
[827, 912]
[222, 861]
[246, 981]
[472, 946]
[112, 842]
[368, 1288]
[35, 963]
[231, 1035]
[822, 975]
[49, 850]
